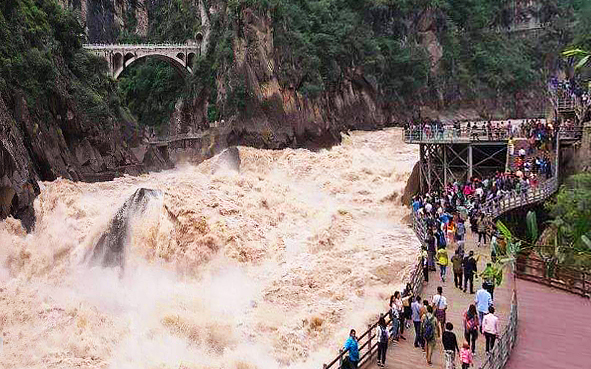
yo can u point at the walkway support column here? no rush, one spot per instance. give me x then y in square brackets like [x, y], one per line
[444, 147]
[470, 171]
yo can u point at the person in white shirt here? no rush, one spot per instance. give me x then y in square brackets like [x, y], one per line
[490, 328]
[483, 301]
[439, 303]
[383, 336]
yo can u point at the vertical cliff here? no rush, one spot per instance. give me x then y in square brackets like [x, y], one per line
[59, 113]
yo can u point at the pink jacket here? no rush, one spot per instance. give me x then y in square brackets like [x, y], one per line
[466, 356]
[490, 324]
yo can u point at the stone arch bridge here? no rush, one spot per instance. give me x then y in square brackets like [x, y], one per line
[121, 56]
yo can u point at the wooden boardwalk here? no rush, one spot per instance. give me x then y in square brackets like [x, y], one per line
[404, 355]
[554, 329]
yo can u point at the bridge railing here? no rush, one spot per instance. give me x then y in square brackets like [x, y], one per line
[570, 133]
[464, 135]
[138, 46]
[567, 279]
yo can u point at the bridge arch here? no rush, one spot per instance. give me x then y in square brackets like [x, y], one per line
[180, 65]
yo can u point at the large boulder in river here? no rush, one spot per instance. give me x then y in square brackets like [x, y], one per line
[229, 159]
[413, 185]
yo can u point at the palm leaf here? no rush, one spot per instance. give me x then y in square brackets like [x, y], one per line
[504, 230]
[532, 226]
[582, 62]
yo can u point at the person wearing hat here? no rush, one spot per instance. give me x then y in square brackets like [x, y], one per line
[469, 271]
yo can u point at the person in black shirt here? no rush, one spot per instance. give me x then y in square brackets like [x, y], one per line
[450, 345]
[469, 271]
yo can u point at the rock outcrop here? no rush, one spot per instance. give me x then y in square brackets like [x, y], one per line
[18, 177]
[64, 145]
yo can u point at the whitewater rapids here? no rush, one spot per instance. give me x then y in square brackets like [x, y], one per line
[266, 268]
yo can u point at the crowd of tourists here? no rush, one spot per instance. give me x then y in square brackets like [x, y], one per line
[483, 130]
[568, 89]
[443, 216]
[428, 317]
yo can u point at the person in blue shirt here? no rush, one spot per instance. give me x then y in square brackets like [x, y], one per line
[353, 348]
[416, 204]
[483, 301]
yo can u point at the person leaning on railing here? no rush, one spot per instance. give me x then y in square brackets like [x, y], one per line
[351, 361]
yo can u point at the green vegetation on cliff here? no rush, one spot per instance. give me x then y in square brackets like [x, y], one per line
[435, 52]
[41, 57]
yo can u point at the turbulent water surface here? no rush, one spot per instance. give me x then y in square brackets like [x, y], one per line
[266, 268]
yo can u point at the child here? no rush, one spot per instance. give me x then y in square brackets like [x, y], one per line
[466, 356]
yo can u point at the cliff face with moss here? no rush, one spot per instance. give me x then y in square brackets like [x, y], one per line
[60, 115]
[289, 73]
[276, 72]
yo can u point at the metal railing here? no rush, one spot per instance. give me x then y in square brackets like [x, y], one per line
[454, 135]
[570, 133]
[512, 200]
[170, 139]
[567, 279]
[465, 135]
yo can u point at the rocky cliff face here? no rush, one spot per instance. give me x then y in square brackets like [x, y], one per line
[64, 145]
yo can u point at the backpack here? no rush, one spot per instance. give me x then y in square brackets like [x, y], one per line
[428, 329]
[383, 334]
[461, 229]
[471, 323]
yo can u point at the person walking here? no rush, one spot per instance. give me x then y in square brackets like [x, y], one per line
[425, 263]
[407, 298]
[400, 308]
[466, 356]
[489, 277]
[450, 346]
[458, 270]
[483, 302]
[431, 332]
[481, 230]
[382, 341]
[471, 324]
[490, 327]
[469, 271]
[431, 249]
[442, 261]
[440, 307]
[394, 317]
[353, 346]
[415, 309]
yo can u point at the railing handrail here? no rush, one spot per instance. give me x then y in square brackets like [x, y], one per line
[576, 281]
[449, 134]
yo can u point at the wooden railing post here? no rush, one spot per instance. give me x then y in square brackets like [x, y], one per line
[369, 340]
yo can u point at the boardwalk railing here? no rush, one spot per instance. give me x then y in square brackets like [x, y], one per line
[454, 135]
[511, 200]
[504, 345]
[368, 340]
[567, 279]
[450, 134]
